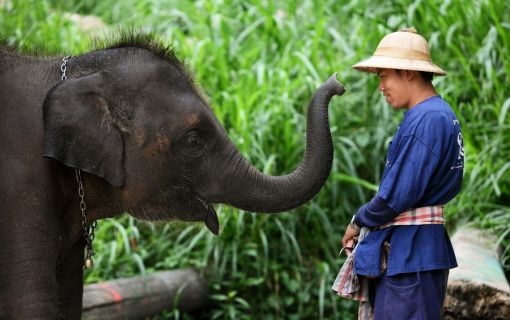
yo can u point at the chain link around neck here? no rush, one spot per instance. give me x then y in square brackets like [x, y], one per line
[88, 229]
[63, 67]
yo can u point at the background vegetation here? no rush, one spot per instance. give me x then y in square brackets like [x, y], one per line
[259, 63]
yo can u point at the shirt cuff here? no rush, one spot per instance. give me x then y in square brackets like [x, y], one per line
[375, 213]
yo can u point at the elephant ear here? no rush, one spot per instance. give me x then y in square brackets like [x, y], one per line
[81, 130]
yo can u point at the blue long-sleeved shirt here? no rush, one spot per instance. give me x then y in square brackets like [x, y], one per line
[424, 167]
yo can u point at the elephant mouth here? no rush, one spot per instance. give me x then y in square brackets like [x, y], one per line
[210, 218]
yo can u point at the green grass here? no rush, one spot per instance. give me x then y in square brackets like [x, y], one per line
[259, 62]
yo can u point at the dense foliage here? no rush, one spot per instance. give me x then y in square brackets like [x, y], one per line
[259, 63]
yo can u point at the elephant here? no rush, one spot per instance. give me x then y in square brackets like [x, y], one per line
[121, 128]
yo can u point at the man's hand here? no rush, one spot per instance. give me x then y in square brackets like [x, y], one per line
[348, 239]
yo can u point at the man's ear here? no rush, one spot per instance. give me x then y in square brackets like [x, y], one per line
[410, 74]
[80, 130]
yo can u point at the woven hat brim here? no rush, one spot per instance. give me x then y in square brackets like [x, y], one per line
[382, 62]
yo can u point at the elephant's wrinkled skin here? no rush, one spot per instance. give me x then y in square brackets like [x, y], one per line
[131, 119]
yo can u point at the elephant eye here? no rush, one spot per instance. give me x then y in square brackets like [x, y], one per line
[194, 141]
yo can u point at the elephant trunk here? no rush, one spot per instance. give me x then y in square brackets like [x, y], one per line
[243, 186]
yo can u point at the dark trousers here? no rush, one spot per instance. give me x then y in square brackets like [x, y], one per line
[409, 296]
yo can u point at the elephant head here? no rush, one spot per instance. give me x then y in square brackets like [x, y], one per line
[132, 116]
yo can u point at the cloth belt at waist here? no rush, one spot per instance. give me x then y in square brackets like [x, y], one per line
[418, 216]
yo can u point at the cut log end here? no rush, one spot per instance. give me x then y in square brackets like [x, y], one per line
[478, 288]
[468, 300]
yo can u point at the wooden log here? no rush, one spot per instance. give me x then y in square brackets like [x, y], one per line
[141, 297]
[478, 288]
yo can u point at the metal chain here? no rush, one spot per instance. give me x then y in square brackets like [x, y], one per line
[63, 67]
[88, 229]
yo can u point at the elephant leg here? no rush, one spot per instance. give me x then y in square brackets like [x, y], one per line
[28, 284]
[70, 282]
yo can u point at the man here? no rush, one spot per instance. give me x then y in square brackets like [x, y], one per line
[423, 171]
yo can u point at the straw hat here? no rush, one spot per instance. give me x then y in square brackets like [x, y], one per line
[404, 49]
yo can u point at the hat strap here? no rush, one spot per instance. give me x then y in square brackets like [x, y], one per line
[402, 53]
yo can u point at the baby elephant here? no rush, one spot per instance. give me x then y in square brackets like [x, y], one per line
[121, 128]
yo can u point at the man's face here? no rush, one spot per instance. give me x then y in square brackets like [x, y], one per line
[394, 87]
